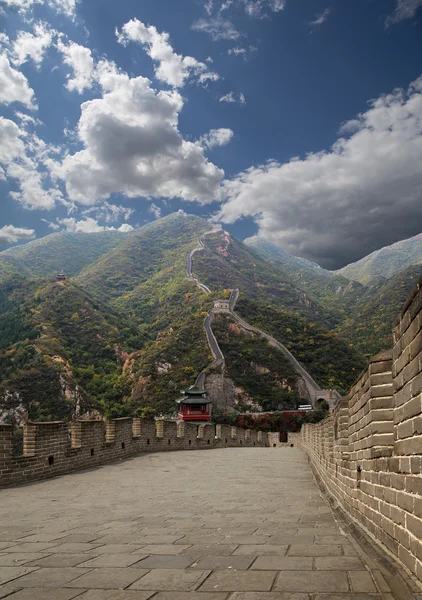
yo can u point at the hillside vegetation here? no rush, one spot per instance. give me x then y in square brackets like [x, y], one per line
[386, 262]
[52, 253]
[124, 333]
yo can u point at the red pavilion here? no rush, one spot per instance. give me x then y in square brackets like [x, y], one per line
[194, 405]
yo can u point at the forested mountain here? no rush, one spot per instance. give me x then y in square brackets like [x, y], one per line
[52, 253]
[386, 262]
[363, 312]
[124, 333]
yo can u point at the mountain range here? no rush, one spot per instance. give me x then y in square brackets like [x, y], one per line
[123, 334]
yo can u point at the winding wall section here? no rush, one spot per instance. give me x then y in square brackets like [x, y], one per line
[312, 387]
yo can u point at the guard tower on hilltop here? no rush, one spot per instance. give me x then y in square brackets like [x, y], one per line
[194, 406]
[61, 276]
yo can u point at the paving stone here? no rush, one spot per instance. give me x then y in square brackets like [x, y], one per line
[201, 539]
[157, 539]
[31, 547]
[112, 560]
[163, 561]
[239, 581]
[45, 594]
[312, 581]
[291, 539]
[4, 545]
[361, 581]
[81, 538]
[170, 580]
[15, 560]
[49, 578]
[330, 539]
[107, 579]
[117, 549]
[349, 550]
[198, 550]
[261, 550]
[43, 537]
[74, 548]
[309, 550]
[269, 596]
[223, 562]
[114, 595]
[191, 596]
[6, 590]
[339, 563]
[246, 539]
[60, 560]
[351, 597]
[11, 573]
[162, 549]
[282, 563]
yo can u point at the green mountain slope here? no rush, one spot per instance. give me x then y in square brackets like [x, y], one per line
[227, 263]
[126, 332]
[52, 253]
[335, 293]
[386, 262]
[60, 349]
[368, 326]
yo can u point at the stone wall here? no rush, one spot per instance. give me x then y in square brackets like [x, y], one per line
[51, 449]
[368, 452]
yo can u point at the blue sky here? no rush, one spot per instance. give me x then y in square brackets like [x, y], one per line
[297, 120]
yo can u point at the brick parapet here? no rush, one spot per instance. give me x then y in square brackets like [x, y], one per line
[51, 449]
[374, 466]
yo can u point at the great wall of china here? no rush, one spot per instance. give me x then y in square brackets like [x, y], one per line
[367, 453]
[314, 392]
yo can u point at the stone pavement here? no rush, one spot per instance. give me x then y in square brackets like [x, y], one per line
[228, 524]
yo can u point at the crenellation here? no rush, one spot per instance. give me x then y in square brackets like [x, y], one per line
[56, 448]
[377, 443]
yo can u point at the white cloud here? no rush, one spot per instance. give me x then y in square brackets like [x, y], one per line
[231, 98]
[217, 137]
[253, 8]
[155, 211]
[132, 146]
[228, 98]
[217, 28]
[362, 194]
[66, 7]
[80, 60]
[10, 234]
[32, 45]
[90, 225]
[125, 228]
[320, 18]
[14, 86]
[24, 7]
[236, 51]
[405, 9]
[209, 5]
[22, 156]
[171, 68]
[110, 213]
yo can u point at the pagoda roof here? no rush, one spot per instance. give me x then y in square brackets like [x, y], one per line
[193, 400]
[194, 390]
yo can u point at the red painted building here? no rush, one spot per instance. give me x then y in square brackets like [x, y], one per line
[194, 406]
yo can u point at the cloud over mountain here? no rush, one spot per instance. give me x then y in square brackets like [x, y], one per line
[10, 234]
[334, 206]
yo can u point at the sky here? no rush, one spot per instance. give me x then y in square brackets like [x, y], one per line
[296, 120]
